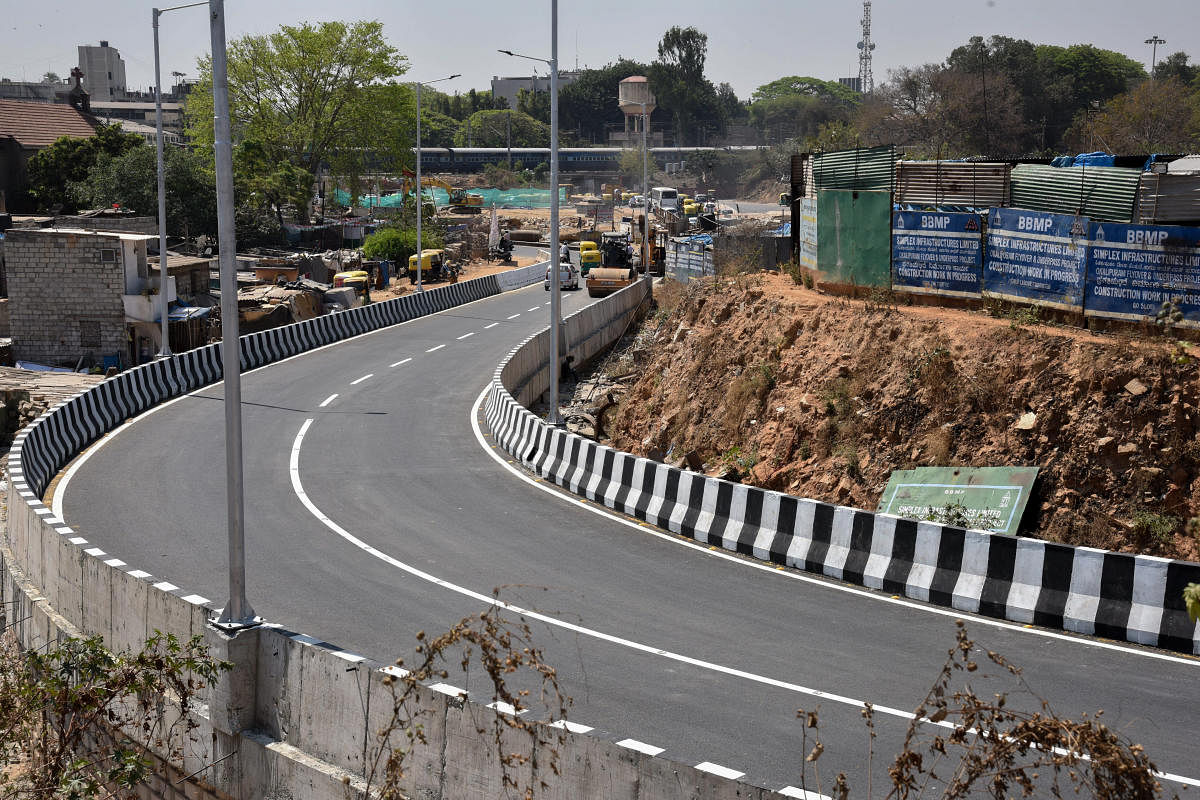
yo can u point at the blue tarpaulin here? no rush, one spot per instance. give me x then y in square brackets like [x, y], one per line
[179, 313]
[1097, 159]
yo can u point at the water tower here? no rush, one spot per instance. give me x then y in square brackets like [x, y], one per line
[635, 99]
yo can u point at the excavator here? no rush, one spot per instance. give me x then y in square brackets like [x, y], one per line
[461, 200]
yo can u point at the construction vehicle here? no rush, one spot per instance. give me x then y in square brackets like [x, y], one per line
[602, 281]
[614, 250]
[462, 201]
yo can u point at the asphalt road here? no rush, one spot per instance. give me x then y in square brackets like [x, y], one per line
[678, 647]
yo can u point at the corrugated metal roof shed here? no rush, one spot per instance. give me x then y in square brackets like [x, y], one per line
[1105, 194]
[1169, 199]
[867, 169]
[958, 183]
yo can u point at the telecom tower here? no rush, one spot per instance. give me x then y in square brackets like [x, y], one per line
[866, 81]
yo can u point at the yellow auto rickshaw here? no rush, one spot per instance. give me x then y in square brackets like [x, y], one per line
[432, 263]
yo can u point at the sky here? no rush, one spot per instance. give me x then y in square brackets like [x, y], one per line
[750, 42]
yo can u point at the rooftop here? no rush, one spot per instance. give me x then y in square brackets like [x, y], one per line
[41, 124]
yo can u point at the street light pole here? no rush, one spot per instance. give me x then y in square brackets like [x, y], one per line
[645, 197]
[237, 612]
[1154, 41]
[164, 350]
[421, 205]
[555, 417]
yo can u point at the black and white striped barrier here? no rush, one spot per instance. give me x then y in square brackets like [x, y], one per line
[1081, 589]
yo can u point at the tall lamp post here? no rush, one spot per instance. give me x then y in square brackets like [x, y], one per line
[1154, 41]
[645, 197]
[555, 417]
[164, 350]
[237, 612]
[420, 205]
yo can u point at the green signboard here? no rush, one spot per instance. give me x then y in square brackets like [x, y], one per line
[982, 498]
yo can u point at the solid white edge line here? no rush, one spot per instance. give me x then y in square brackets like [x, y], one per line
[465, 336]
[363, 378]
[435, 348]
[328, 400]
[488, 327]
[401, 361]
[828, 583]
[60, 491]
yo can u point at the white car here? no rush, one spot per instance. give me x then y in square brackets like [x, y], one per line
[568, 277]
[637, 201]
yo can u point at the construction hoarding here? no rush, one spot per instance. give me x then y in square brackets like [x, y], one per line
[808, 233]
[937, 252]
[983, 498]
[854, 236]
[1134, 269]
[1036, 257]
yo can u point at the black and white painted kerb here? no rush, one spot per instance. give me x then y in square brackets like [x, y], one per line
[1080, 589]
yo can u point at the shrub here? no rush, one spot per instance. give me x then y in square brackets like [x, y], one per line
[397, 244]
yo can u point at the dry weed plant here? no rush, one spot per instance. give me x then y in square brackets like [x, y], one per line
[963, 743]
[503, 648]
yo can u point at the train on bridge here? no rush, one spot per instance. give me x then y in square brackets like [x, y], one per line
[570, 159]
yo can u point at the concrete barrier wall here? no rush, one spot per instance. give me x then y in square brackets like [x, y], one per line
[1115, 595]
[296, 718]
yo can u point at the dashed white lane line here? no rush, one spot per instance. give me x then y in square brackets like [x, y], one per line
[717, 769]
[465, 336]
[572, 727]
[641, 747]
[434, 349]
[535, 308]
[514, 316]
[328, 400]
[507, 708]
[487, 327]
[803, 794]
[546, 303]
[363, 378]
[401, 361]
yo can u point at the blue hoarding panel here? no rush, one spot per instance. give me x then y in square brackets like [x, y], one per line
[1134, 269]
[937, 252]
[1036, 257]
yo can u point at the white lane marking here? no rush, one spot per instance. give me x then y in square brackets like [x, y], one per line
[363, 378]
[433, 349]
[514, 316]
[803, 794]
[465, 336]
[328, 400]
[717, 769]
[641, 747]
[401, 361]
[800, 576]
[535, 308]
[507, 708]
[572, 727]
[446, 688]
[546, 303]
[487, 327]
[95, 551]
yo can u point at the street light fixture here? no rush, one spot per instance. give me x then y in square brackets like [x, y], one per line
[420, 205]
[164, 350]
[555, 417]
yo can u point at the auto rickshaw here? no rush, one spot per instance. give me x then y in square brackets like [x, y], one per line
[358, 280]
[588, 257]
[432, 265]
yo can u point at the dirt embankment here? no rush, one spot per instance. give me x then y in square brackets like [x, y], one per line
[823, 397]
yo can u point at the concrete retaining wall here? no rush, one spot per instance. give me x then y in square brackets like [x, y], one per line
[1080, 589]
[297, 718]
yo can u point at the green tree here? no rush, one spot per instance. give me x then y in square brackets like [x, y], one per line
[535, 104]
[131, 180]
[679, 85]
[52, 171]
[305, 96]
[397, 244]
[1177, 66]
[793, 85]
[488, 129]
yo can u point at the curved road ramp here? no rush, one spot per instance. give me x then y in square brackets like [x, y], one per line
[297, 717]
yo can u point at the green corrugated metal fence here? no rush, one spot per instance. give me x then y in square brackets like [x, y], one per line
[866, 168]
[1105, 194]
[854, 237]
